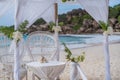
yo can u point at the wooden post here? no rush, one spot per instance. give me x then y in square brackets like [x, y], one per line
[56, 13]
[56, 32]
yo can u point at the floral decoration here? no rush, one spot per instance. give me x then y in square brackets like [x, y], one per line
[56, 28]
[71, 58]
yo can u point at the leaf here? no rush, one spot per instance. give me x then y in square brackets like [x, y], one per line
[64, 0]
[69, 56]
[103, 25]
[67, 50]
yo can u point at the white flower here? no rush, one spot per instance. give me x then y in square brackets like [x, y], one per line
[56, 28]
[17, 36]
[109, 31]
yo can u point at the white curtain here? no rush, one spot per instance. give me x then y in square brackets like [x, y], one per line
[31, 10]
[99, 11]
[5, 5]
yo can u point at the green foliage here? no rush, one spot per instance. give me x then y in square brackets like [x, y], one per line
[119, 19]
[51, 24]
[61, 23]
[117, 7]
[8, 31]
[75, 19]
[62, 18]
[86, 16]
[39, 21]
[103, 25]
[76, 27]
[22, 27]
[64, 0]
[69, 56]
[113, 12]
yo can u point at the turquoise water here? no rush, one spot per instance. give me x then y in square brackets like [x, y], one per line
[78, 41]
[82, 40]
[73, 39]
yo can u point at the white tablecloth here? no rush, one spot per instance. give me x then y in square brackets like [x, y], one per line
[49, 70]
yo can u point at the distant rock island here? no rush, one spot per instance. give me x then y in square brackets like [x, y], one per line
[79, 21]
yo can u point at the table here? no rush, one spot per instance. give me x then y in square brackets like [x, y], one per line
[48, 71]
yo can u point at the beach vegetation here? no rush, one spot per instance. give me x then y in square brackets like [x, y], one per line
[113, 12]
[39, 21]
[119, 19]
[8, 31]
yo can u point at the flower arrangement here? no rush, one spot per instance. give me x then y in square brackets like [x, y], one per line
[56, 28]
[107, 29]
[71, 58]
[53, 27]
[17, 35]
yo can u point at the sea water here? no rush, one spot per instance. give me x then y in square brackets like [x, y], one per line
[85, 40]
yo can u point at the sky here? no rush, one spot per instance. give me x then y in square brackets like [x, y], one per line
[8, 20]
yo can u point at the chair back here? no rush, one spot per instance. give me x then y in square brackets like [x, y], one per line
[41, 44]
[4, 44]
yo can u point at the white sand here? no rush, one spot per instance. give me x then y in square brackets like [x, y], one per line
[94, 64]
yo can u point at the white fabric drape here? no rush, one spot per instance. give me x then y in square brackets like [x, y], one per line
[99, 11]
[5, 5]
[76, 71]
[31, 10]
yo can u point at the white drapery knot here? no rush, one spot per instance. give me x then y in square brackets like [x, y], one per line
[76, 71]
[109, 31]
[17, 36]
[56, 28]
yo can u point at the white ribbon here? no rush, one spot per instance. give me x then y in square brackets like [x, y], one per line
[109, 31]
[56, 28]
[76, 71]
[17, 48]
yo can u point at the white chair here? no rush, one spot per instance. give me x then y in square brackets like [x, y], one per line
[4, 49]
[8, 61]
[41, 44]
[4, 44]
[7, 58]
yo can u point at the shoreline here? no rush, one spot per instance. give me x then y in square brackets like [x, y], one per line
[89, 45]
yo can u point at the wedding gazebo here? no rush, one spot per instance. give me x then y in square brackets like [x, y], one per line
[31, 10]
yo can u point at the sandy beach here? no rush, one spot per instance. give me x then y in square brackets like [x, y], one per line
[94, 64]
